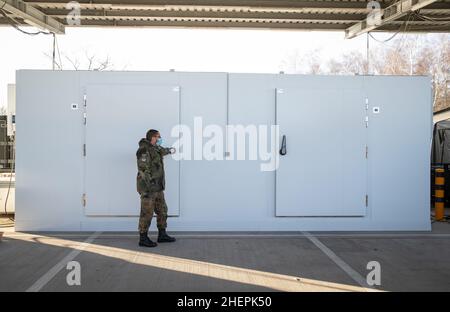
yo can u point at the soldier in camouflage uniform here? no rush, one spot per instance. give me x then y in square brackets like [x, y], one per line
[150, 186]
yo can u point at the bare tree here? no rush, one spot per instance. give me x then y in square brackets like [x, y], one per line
[88, 61]
[311, 63]
[407, 55]
[298, 63]
[439, 70]
[415, 56]
[3, 111]
[352, 62]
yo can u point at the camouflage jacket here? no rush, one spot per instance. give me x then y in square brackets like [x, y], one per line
[150, 177]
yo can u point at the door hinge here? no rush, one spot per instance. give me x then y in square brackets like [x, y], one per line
[367, 200]
[367, 151]
[84, 149]
[85, 104]
[367, 109]
[83, 199]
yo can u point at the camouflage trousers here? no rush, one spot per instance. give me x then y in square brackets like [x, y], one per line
[153, 203]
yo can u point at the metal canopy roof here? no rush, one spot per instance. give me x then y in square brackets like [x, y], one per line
[349, 15]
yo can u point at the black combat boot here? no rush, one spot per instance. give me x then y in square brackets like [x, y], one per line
[145, 241]
[164, 238]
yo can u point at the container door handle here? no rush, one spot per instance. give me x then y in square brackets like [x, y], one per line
[283, 149]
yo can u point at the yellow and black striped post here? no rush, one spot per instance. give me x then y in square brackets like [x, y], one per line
[439, 194]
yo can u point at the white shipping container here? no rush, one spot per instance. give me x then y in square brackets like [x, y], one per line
[357, 150]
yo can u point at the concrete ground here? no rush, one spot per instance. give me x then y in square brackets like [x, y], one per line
[288, 261]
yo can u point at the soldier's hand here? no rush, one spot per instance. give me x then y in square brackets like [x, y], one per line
[173, 150]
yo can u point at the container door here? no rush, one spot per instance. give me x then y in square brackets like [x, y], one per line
[117, 117]
[323, 136]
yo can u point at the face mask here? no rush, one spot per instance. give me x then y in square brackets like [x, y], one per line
[160, 141]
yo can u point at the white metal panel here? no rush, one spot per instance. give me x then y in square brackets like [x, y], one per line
[324, 172]
[49, 162]
[399, 150]
[251, 102]
[118, 116]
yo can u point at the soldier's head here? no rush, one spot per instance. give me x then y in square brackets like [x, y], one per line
[143, 142]
[153, 136]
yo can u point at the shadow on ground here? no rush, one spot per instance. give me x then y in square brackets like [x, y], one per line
[190, 264]
[114, 262]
